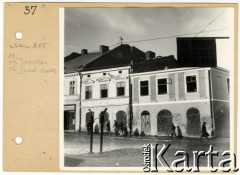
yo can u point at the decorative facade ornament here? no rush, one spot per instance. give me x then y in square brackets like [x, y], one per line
[118, 77]
[103, 79]
[88, 81]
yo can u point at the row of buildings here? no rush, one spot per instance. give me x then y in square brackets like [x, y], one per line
[149, 92]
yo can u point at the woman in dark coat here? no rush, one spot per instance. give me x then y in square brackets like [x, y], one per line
[116, 127]
[204, 131]
[173, 132]
[179, 132]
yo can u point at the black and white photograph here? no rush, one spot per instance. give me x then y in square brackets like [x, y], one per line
[146, 87]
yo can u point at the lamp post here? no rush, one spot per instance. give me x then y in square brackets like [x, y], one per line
[91, 134]
[102, 122]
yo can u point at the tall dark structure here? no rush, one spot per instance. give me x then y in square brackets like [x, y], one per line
[197, 51]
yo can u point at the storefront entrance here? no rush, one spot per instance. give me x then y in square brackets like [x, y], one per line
[69, 118]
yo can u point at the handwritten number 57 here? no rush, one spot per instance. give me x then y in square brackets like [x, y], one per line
[30, 10]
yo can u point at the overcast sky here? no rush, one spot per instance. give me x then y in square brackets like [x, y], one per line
[88, 28]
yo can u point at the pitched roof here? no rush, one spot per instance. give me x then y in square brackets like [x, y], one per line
[159, 63]
[117, 57]
[122, 55]
[71, 56]
[77, 64]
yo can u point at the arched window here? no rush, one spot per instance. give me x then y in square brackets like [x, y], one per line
[121, 116]
[106, 116]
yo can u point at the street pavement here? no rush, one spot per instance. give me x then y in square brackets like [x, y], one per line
[127, 151]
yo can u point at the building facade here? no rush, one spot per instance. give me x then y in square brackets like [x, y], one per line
[146, 92]
[105, 88]
[73, 65]
[186, 97]
[71, 101]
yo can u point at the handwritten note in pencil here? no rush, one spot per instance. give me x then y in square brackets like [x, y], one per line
[25, 64]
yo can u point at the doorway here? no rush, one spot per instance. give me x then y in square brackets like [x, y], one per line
[164, 122]
[145, 122]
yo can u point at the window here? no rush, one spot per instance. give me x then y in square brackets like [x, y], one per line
[120, 88]
[88, 75]
[88, 92]
[104, 90]
[120, 72]
[162, 86]
[72, 88]
[191, 83]
[228, 86]
[104, 74]
[144, 88]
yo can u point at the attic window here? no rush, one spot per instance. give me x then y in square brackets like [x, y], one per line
[104, 74]
[120, 71]
[88, 75]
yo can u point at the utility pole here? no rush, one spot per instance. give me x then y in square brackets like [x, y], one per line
[130, 92]
[80, 103]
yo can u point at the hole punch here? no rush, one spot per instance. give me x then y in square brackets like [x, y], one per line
[18, 140]
[19, 35]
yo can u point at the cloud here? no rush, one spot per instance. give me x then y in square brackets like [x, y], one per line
[90, 27]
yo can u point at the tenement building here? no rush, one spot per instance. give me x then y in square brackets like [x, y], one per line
[148, 92]
[186, 97]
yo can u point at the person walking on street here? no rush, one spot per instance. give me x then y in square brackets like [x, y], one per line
[96, 128]
[89, 127]
[108, 127]
[204, 131]
[173, 132]
[179, 132]
[116, 127]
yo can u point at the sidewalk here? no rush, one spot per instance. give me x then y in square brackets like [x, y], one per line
[148, 138]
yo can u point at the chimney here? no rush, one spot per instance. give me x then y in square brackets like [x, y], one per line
[104, 49]
[150, 55]
[84, 51]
